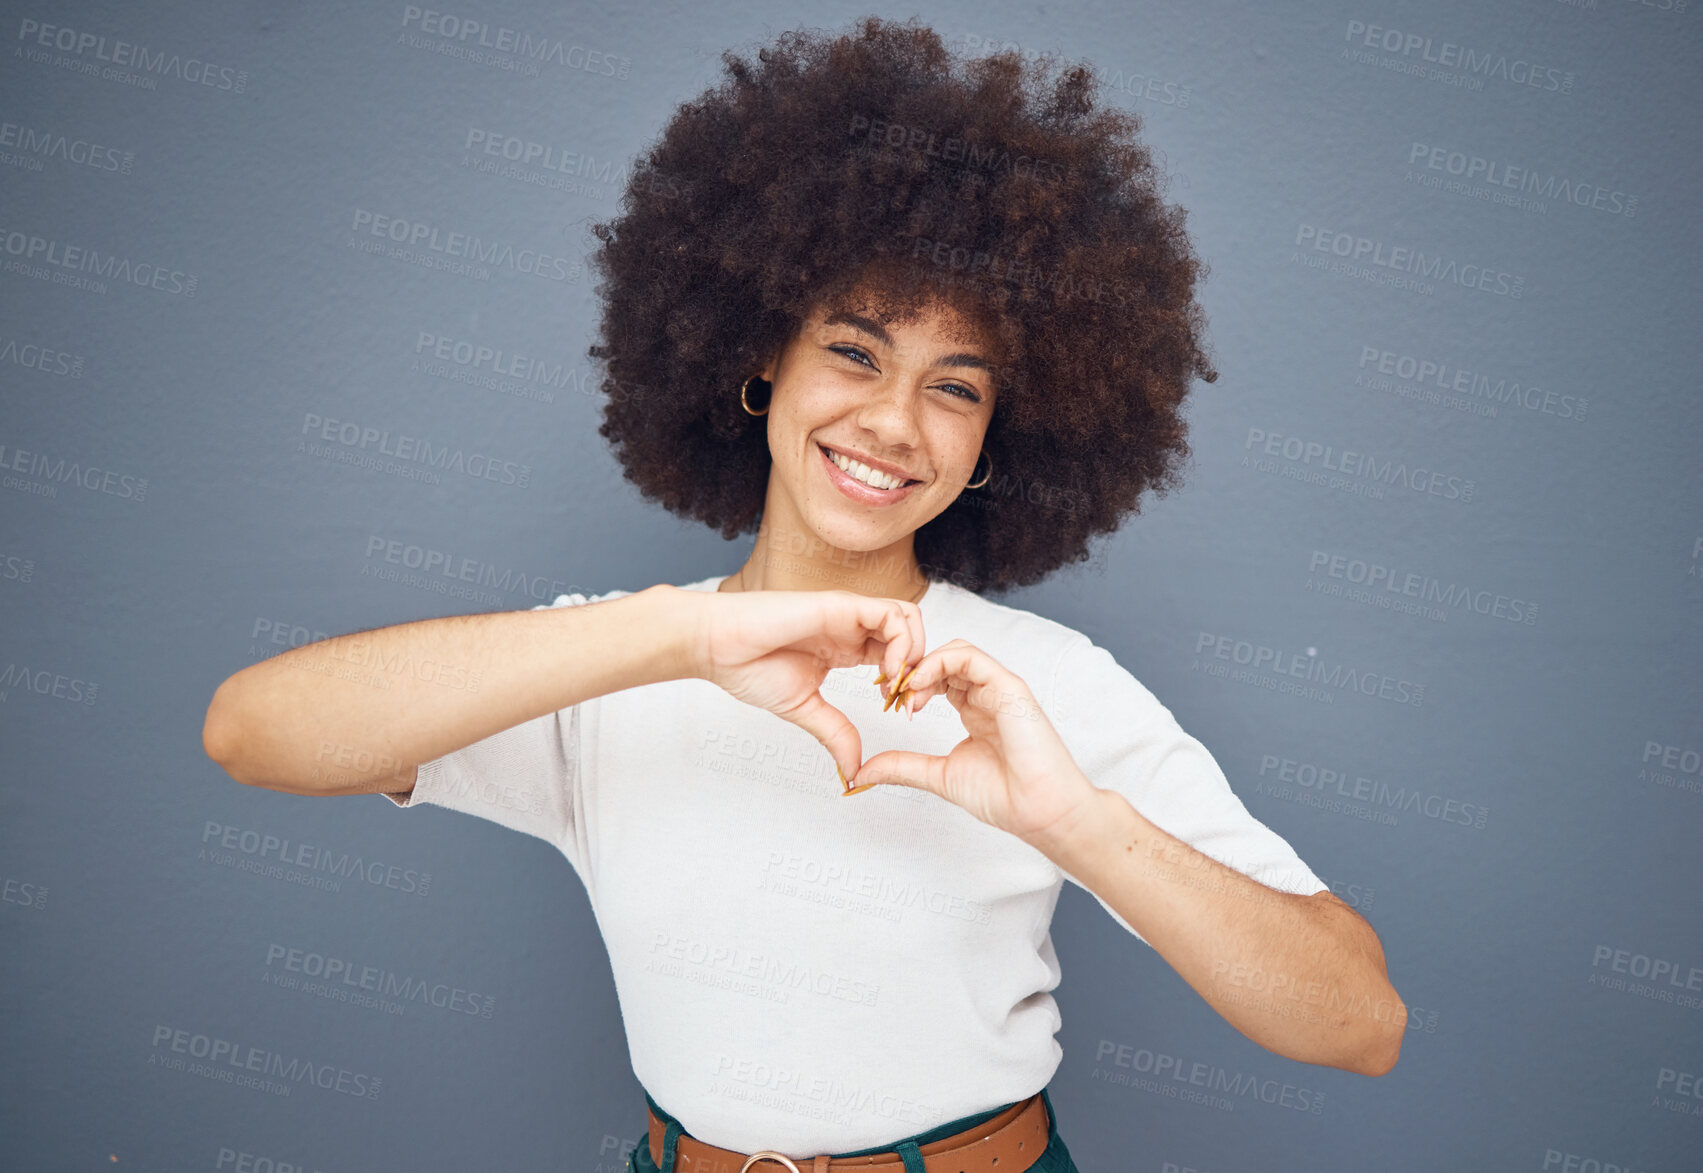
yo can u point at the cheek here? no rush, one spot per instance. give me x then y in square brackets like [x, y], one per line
[966, 450]
[799, 415]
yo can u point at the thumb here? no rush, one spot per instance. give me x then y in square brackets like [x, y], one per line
[833, 729]
[903, 767]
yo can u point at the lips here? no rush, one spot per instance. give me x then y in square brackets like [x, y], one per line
[854, 489]
[831, 452]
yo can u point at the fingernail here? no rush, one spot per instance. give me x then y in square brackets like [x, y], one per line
[898, 686]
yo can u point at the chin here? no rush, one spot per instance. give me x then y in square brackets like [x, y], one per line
[847, 534]
[861, 539]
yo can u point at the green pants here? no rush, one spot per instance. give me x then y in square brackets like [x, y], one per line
[1055, 1158]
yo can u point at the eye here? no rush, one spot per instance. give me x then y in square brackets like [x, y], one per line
[857, 355]
[853, 353]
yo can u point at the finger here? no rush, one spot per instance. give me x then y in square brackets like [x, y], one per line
[902, 767]
[878, 626]
[830, 727]
[896, 656]
[843, 628]
[911, 643]
[964, 674]
[902, 695]
[909, 692]
[919, 638]
[896, 688]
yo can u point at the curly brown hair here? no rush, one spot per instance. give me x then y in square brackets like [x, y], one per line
[878, 162]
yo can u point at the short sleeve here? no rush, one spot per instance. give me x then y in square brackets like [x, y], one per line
[524, 777]
[1123, 739]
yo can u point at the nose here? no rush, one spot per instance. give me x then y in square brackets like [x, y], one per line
[890, 414]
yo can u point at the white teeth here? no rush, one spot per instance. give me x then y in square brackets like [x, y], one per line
[863, 472]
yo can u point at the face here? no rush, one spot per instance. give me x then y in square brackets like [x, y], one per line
[910, 398]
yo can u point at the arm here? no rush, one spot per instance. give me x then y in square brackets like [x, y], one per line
[1302, 976]
[356, 714]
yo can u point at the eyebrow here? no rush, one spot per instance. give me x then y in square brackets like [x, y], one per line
[875, 330]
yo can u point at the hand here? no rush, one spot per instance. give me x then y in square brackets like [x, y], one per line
[1012, 771]
[773, 649]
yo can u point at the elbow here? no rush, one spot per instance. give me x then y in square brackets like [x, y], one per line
[212, 739]
[1381, 1060]
[219, 736]
[1382, 1047]
[1386, 1018]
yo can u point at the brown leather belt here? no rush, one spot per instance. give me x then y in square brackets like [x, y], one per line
[1007, 1143]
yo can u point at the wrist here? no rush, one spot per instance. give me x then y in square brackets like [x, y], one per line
[681, 614]
[1076, 838]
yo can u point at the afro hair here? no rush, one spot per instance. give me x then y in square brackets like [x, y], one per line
[877, 162]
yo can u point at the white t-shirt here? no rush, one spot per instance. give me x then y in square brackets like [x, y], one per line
[812, 973]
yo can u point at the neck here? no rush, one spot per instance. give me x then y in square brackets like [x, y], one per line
[777, 564]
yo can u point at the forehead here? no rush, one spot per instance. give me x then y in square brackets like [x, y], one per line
[936, 317]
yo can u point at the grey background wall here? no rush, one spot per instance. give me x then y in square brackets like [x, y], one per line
[1431, 595]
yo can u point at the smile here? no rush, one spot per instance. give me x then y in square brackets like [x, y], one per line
[859, 490]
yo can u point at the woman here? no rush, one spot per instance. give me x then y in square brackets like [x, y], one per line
[926, 326]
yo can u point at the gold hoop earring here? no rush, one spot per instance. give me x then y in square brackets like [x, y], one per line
[743, 387]
[985, 476]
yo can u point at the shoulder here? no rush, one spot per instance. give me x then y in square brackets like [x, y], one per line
[1007, 623]
[1075, 679]
[1031, 645]
[580, 598]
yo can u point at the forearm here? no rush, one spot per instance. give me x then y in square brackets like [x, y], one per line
[357, 713]
[1302, 976]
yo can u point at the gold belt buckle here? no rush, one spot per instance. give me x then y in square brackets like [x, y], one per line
[771, 1155]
